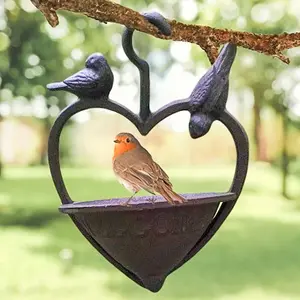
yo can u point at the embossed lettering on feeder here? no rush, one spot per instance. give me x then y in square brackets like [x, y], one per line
[149, 241]
[161, 225]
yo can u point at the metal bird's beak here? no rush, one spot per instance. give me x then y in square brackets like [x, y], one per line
[116, 141]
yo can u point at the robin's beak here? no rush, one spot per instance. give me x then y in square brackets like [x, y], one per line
[116, 141]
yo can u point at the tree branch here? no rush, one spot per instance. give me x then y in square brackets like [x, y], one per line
[208, 38]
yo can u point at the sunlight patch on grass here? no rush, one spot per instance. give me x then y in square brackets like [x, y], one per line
[257, 294]
[29, 275]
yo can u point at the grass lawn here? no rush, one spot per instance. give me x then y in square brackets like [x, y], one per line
[255, 255]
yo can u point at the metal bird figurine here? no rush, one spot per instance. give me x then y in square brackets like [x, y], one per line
[94, 81]
[136, 170]
[209, 97]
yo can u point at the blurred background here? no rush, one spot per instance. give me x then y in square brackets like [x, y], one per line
[43, 256]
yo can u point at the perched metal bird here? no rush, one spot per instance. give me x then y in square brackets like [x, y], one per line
[94, 81]
[136, 170]
[209, 97]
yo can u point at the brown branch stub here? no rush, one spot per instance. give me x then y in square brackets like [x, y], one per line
[208, 38]
[47, 10]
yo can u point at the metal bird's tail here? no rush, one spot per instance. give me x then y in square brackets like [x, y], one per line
[56, 86]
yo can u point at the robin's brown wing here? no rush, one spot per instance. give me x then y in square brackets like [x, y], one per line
[149, 166]
[146, 174]
[153, 170]
[134, 176]
[155, 167]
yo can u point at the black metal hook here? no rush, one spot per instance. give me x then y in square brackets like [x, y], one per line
[164, 27]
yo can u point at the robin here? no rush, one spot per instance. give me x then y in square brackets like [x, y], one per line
[94, 81]
[136, 170]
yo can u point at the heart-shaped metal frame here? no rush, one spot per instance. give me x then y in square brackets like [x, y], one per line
[144, 122]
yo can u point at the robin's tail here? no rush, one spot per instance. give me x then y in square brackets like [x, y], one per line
[170, 195]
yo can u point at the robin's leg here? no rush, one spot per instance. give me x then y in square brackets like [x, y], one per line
[152, 199]
[127, 202]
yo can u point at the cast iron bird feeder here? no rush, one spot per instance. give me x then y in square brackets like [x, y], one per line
[149, 241]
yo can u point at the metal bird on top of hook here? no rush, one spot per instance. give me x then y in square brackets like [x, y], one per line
[148, 241]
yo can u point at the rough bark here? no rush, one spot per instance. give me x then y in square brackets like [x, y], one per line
[208, 38]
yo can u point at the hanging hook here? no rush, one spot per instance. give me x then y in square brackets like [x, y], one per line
[164, 27]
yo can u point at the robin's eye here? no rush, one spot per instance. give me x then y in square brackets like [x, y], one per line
[127, 140]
